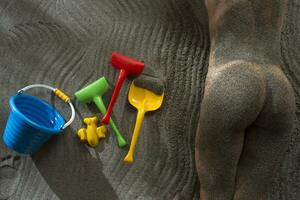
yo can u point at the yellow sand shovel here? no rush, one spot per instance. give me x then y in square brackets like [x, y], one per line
[143, 100]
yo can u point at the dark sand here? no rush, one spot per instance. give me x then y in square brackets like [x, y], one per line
[68, 44]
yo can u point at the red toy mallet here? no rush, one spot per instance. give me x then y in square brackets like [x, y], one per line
[128, 67]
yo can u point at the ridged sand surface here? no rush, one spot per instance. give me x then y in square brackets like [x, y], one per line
[67, 44]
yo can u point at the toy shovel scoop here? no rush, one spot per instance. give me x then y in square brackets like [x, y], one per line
[143, 100]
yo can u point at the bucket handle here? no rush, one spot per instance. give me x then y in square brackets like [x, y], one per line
[61, 95]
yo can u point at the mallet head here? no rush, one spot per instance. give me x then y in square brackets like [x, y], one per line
[97, 88]
[132, 66]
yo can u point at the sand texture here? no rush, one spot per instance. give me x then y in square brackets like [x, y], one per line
[67, 44]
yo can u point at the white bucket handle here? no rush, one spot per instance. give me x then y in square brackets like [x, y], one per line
[59, 94]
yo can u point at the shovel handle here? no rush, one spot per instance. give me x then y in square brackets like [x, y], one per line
[60, 94]
[138, 124]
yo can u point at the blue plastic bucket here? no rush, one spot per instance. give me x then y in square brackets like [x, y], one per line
[31, 123]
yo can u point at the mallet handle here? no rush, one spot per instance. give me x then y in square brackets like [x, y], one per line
[120, 138]
[122, 76]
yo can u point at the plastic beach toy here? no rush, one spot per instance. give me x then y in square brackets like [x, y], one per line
[143, 100]
[128, 67]
[92, 134]
[33, 121]
[94, 92]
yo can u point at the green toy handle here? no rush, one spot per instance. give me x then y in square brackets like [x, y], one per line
[120, 138]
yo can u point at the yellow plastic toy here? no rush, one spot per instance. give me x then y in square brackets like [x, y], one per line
[143, 100]
[92, 134]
